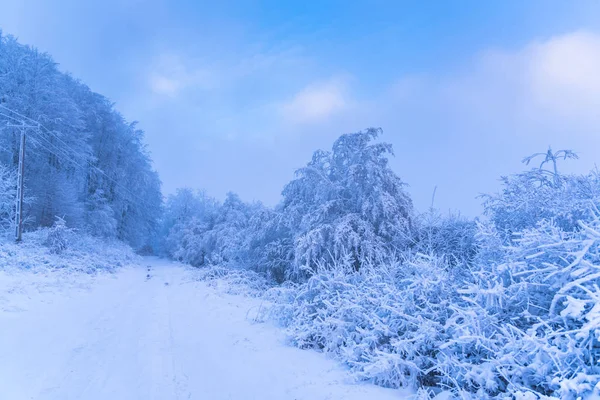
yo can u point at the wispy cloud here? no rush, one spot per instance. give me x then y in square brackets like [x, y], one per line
[552, 80]
[170, 75]
[316, 102]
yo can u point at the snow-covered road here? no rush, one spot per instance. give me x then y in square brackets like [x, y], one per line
[128, 337]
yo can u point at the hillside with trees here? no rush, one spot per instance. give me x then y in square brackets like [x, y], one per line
[85, 163]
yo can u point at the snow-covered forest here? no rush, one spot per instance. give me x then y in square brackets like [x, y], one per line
[85, 163]
[505, 305]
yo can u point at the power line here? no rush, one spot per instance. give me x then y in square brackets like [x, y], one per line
[56, 148]
[53, 134]
[39, 125]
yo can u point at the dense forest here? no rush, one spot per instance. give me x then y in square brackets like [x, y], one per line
[85, 163]
[506, 305]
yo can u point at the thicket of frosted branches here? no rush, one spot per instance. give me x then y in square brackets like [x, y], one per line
[506, 306]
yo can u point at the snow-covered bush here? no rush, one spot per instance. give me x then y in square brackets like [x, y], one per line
[525, 325]
[57, 239]
[386, 321]
[84, 253]
[531, 323]
[452, 237]
[505, 308]
[234, 280]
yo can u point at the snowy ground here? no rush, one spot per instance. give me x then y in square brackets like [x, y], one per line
[127, 336]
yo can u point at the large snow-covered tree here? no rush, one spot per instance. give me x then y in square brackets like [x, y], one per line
[347, 201]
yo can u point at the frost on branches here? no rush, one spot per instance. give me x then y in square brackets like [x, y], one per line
[529, 324]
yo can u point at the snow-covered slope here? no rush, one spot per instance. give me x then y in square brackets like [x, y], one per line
[157, 334]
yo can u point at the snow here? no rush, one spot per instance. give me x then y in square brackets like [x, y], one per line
[123, 335]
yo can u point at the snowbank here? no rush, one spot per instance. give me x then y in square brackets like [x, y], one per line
[34, 270]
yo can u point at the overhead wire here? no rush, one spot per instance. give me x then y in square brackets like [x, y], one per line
[37, 123]
[55, 147]
[63, 151]
[53, 134]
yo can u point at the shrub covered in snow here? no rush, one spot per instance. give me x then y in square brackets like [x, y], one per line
[452, 237]
[84, 253]
[537, 194]
[234, 281]
[527, 325]
[384, 321]
[530, 323]
[58, 236]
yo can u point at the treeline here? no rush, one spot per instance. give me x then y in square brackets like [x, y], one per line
[503, 306]
[84, 162]
[344, 203]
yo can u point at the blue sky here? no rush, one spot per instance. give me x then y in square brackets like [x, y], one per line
[237, 95]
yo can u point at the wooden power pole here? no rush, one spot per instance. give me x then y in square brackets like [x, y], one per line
[20, 180]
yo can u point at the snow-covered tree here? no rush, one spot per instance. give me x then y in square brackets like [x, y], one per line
[269, 245]
[347, 201]
[187, 215]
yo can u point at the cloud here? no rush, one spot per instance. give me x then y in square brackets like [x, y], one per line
[316, 102]
[227, 73]
[563, 74]
[164, 85]
[170, 75]
[551, 80]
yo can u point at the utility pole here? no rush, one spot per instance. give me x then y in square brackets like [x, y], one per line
[20, 182]
[20, 176]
